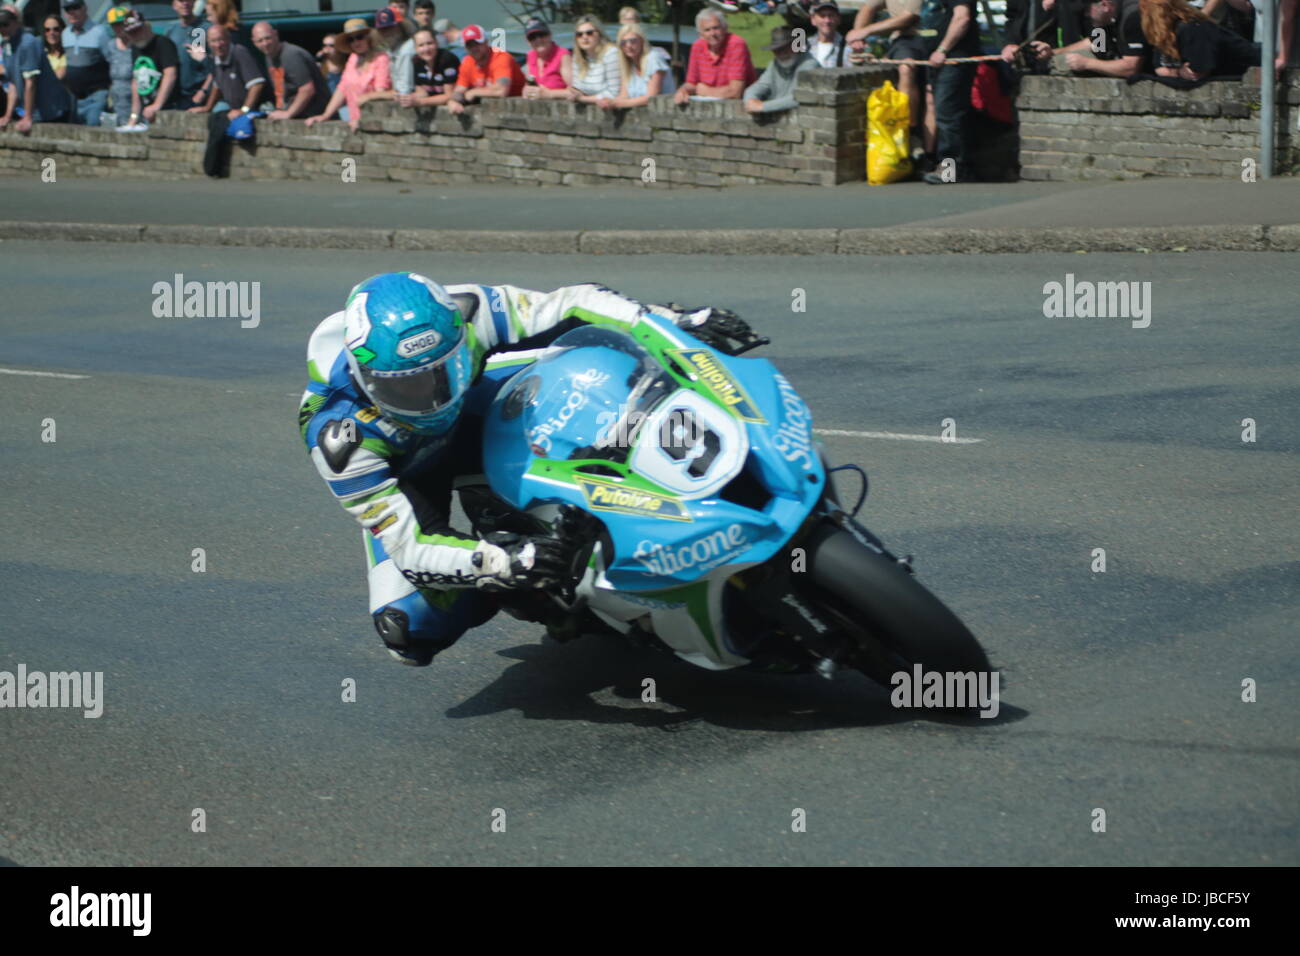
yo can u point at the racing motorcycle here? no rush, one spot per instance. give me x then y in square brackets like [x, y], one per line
[703, 515]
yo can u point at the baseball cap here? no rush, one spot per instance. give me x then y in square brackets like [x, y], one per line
[73, 4]
[133, 20]
[473, 34]
[782, 37]
[241, 127]
[116, 15]
[535, 26]
[387, 17]
[822, 6]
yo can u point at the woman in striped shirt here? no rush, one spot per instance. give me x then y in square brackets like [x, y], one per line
[595, 63]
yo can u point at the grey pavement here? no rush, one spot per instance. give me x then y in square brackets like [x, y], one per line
[453, 208]
[1122, 689]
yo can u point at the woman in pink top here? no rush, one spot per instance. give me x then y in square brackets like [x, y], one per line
[549, 65]
[365, 75]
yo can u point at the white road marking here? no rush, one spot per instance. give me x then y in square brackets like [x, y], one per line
[19, 371]
[898, 436]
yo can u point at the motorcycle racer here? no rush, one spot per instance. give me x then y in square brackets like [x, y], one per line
[398, 379]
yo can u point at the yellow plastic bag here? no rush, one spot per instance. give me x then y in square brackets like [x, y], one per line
[888, 119]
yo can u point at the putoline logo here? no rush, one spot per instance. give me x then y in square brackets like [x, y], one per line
[602, 496]
[722, 384]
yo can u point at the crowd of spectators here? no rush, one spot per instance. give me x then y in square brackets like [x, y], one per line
[125, 73]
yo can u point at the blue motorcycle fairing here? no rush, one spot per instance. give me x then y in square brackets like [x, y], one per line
[660, 539]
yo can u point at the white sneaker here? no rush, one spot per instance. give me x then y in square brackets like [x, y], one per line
[136, 128]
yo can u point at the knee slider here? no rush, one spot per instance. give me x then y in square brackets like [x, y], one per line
[394, 627]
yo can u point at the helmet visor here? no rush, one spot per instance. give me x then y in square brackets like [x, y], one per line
[419, 391]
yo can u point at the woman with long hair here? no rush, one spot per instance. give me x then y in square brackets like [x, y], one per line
[365, 77]
[1191, 45]
[644, 70]
[226, 14]
[52, 33]
[595, 63]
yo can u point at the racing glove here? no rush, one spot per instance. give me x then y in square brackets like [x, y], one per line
[719, 328]
[514, 561]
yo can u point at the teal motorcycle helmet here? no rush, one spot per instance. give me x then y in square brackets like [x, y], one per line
[408, 349]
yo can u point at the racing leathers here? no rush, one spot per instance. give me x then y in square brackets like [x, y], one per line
[427, 581]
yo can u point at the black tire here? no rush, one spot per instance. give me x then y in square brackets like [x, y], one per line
[896, 621]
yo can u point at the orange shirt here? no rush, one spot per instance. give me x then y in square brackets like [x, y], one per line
[501, 65]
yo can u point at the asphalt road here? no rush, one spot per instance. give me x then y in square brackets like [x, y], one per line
[1122, 690]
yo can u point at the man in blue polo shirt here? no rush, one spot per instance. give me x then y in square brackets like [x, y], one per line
[89, 47]
[35, 87]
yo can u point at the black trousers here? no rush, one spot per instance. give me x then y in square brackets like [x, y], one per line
[215, 153]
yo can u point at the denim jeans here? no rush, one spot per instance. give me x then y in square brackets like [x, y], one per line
[952, 85]
[90, 107]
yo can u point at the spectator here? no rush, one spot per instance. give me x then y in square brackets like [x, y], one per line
[900, 24]
[298, 88]
[1196, 47]
[190, 35]
[449, 37]
[225, 13]
[595, 63]
[403, 11]
[644, 70]
[1127, 43]
[238, 82]
[425, 11]
[154, 71]
[774, 90]
[32, 80]
[1036, 49]
[329, 64]
[550, 66]
[401, 51]
[828, 48]
[239, 85]
[1287, 45]
[120, 61]
[720, 67]
[52, 34]
[366, 76]
[485, 73]
[433, 73]
[89, 49]
[958, 36]
[628, 15]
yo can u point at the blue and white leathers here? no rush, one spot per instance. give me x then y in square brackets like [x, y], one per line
[372, 464]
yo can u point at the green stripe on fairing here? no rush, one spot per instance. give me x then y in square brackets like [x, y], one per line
[379, 447]
[567, 471]
[696, 597]
[314, 373]
[445, 541]
[515, 325]
[390, 490]
[495, 363]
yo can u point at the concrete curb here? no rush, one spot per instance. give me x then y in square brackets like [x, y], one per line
[885, 241]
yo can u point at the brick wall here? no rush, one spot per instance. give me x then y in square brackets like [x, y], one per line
[515, 140]
[1075, 128]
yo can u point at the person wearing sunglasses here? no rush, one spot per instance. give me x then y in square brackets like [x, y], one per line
[549, 67]
[596, 73]
[365, 77]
